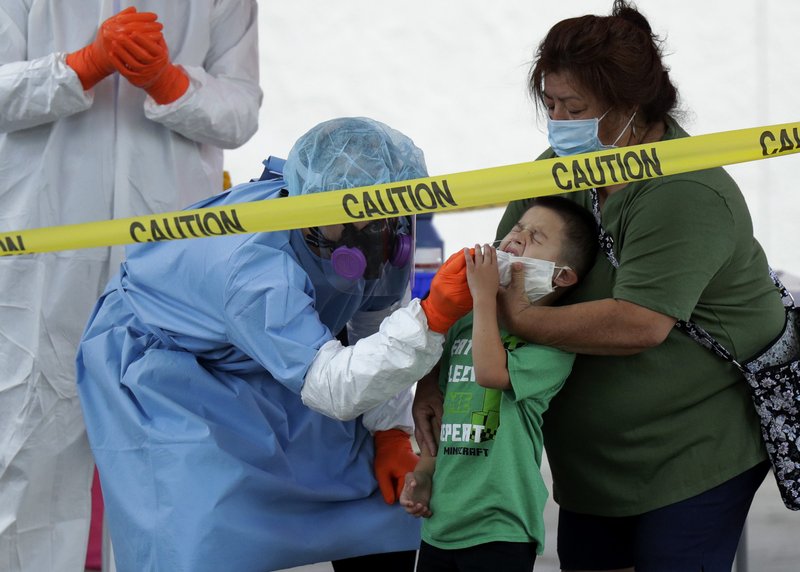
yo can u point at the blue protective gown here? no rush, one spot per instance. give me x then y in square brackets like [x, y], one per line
[189, 374]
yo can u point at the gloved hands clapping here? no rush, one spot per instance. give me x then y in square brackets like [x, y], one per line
[449, 298]
[93, 62]
[393, 459]
[143, 59]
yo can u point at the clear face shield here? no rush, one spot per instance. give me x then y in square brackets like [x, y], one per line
[378, 256]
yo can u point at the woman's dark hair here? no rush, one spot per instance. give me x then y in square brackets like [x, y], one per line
[580, 246]
[617, 58]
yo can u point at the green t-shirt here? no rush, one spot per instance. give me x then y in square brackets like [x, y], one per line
[629, 434]
[487, 486]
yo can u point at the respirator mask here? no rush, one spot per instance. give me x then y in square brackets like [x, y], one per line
[366, 252]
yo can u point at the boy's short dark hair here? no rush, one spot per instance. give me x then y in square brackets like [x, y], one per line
[580, 241]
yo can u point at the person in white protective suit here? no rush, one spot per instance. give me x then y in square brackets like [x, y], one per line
[102, 115]
[232, 430]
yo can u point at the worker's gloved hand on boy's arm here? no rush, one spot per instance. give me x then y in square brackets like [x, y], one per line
[449, 298]
[394, 458]
[93, 62]
[142, 57]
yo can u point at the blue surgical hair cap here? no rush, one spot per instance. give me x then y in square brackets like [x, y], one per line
[351, 152]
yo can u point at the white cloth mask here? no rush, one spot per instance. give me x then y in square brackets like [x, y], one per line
[539, 274]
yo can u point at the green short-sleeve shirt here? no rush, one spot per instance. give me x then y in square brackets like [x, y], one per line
[488, 486]
[629, 434]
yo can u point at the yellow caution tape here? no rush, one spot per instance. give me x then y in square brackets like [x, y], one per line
[469, 189]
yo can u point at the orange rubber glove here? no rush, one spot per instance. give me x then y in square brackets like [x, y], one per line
[393, 459]
[143, 59]
[92, 63]
[449, 298]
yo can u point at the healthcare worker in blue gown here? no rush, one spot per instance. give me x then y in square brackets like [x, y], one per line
[231, 429]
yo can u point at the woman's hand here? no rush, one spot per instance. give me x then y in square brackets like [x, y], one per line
[597, 327]
[512, 301]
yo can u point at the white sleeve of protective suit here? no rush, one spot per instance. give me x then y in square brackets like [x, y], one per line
[395, 413]
[221, 105]
[344, 382]
[392, 414]
[38, 91]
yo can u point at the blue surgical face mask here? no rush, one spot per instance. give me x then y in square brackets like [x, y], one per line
[574, 136]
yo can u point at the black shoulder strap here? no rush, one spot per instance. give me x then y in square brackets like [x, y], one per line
[694, 331]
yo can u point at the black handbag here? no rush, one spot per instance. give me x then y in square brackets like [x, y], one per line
[773, 377]
[774, 380]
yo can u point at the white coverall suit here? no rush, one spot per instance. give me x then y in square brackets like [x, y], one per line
[69, 156]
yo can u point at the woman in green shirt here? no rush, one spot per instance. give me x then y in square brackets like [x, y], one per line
[653, 442]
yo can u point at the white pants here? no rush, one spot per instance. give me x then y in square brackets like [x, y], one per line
[46, 471]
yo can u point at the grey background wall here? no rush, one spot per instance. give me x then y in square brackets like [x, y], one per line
[451, 74]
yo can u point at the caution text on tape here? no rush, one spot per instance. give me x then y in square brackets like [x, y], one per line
[465, 190]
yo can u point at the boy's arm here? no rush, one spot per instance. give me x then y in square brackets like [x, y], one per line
[416, 495]
[488, 353]
[426, 463]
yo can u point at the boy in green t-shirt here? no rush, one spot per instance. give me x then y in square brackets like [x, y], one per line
[484, 504]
